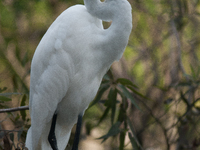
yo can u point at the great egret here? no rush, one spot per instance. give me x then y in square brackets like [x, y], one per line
[69, 63]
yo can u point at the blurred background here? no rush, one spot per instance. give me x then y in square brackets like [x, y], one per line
[149, 100]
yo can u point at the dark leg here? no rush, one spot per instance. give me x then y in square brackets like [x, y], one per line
[52, 136]
[78, 131]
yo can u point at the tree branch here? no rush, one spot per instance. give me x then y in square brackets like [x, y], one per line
[14, 109]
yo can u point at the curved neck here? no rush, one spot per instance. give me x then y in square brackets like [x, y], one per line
[109, 9]
[96, 8]
[115, 38]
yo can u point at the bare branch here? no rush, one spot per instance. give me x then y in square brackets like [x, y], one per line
[179, 47]
[14, 109]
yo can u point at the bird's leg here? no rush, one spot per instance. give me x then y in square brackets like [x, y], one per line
[77, 133]
[52, 136]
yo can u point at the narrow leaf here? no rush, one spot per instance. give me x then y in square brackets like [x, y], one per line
[114, 130]
[109, 73]
[122, 139]
[11, 137]
[23, 112]
[137, 93]
[99, 94]
[121, 114]
[104, 115]
[20, 133]
[106, 78]
[193, 72]
[126, 82]
[133, 142]
[3, 89]
[112, 98]
[131, 126]
[5, 99]
[129, 96]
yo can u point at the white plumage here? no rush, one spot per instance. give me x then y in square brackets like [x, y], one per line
[69, 63]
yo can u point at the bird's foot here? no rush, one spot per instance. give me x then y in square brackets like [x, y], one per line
[78, 131]
[52, 137]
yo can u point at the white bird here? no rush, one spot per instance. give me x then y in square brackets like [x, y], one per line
[69, 64]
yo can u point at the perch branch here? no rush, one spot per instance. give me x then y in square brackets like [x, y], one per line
[14, 109]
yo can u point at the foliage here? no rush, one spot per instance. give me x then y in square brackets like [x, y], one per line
[13, 138]
[116, 102]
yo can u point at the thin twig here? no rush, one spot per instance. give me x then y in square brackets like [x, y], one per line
[159, 123]
[179, 48]
[14, 109]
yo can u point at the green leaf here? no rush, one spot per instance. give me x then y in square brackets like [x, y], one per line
[16, 118]
[110, 74]
[114, 130]
[131, 127]
[3, 89]
[129, 96]
[104, 115]
[193, 72]
[137, 93]
[126, 82]
[106, 78]
[20, 133]
[122, 139]
[133, 142]
[5, 99]
[23, 112]
[99, 94]
[121, 114]
[11, 137]
[112, 96]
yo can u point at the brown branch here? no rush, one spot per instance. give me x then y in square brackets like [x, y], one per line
[159, 123]
[179, 48]
[14, 109]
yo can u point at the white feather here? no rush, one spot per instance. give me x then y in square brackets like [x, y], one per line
[69, 63]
